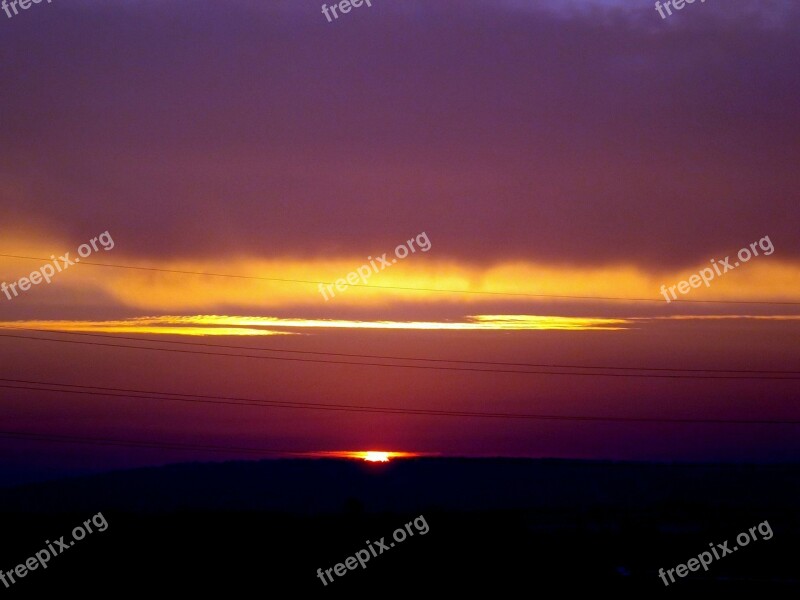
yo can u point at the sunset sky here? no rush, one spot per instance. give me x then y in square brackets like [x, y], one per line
[553, 153]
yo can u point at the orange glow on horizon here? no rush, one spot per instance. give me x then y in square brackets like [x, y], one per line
[367, 455]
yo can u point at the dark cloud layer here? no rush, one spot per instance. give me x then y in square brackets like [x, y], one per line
[600, 135]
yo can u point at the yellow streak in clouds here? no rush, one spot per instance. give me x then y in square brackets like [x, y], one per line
[232, 325]
[478, 322]
[158, 325]
[762, 278]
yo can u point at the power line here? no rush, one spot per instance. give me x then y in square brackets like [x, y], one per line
[233, 400]
[140, 444]
[425, 367]
[384, 357]
[411, 289]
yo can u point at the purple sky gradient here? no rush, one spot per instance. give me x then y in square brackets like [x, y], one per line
[601, 135]
[569, 134]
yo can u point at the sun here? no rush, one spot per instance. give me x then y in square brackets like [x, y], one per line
[372, 456]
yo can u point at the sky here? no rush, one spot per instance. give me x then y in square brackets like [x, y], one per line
[541, 155]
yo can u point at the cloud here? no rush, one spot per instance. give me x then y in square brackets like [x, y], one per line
[195, 325]
[199, 129]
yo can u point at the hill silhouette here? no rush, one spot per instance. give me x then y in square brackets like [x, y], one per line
[497, 525]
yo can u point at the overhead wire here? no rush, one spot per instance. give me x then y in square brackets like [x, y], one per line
[408, 288]
[44, 386]
[741, 376]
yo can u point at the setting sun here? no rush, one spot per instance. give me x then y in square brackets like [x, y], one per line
[376, 456]
[366, 455]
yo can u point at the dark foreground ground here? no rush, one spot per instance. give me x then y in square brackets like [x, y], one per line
[499, 528]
